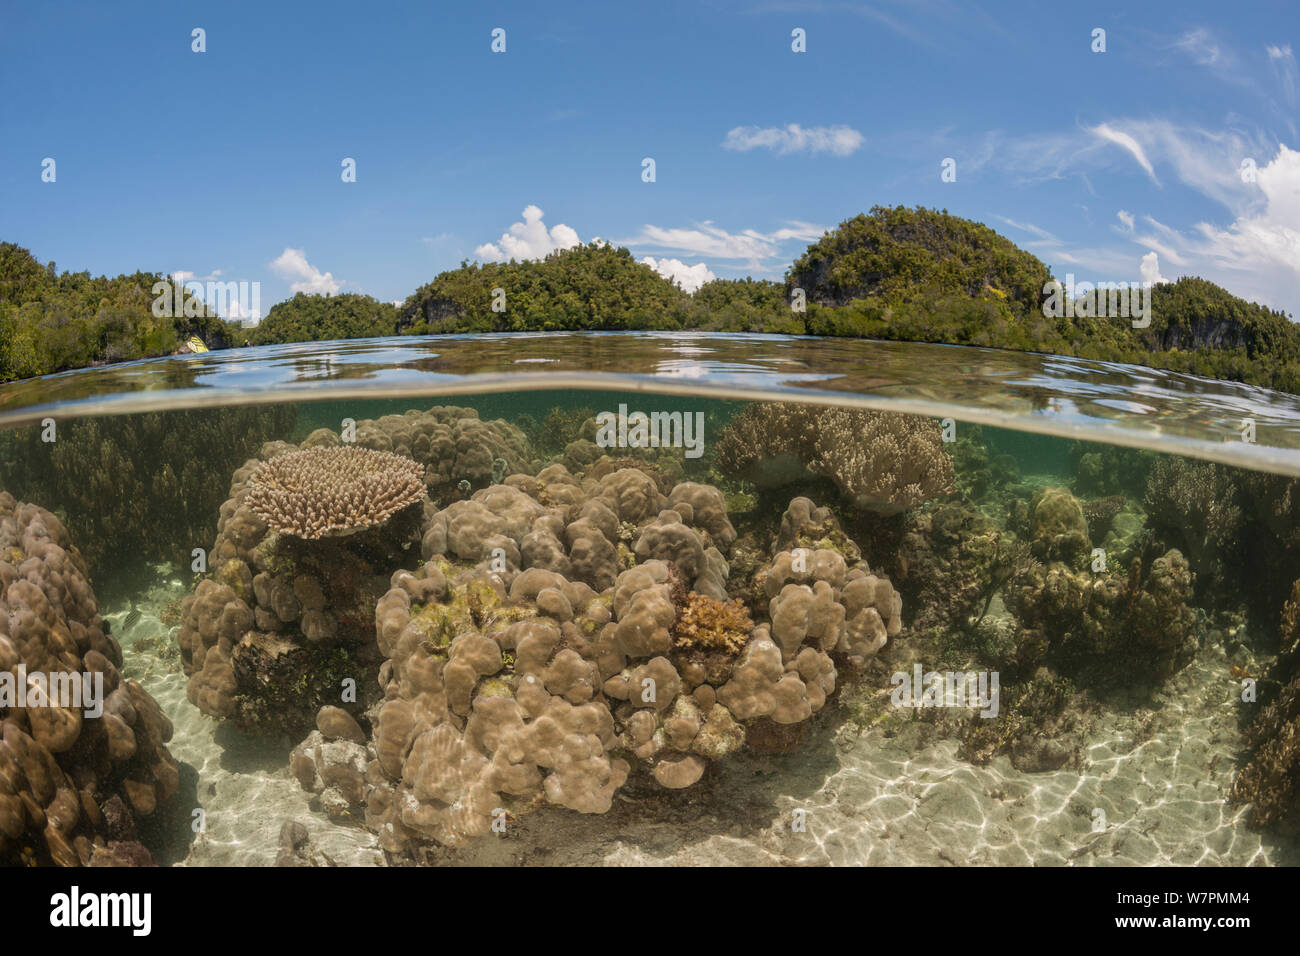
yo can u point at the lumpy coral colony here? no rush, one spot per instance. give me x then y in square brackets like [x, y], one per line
[526, 628]
[463, 626]
[75, 781]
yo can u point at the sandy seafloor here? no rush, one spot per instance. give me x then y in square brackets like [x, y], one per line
[1159, 775]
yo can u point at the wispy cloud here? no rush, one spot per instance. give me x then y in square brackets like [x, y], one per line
[1255, 255]
[1124, 140]
[757, 250]
[793, 138]
[1282, 62]
[1201, 45]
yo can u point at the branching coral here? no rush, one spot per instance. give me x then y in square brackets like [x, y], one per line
[1194, 505]
[1270, 779]
[156, 480]
[1112, 626]
[881, 461]
[326, 491]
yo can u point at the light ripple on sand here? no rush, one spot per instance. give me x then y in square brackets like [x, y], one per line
[869, 799]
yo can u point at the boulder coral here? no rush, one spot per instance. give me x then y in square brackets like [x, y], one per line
[305, 545]
[73, 786]
[568, 635]
[451, 443]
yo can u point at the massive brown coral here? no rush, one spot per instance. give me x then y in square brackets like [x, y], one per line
[537, 658]
[325, 491]
[882, 461]
[73, 783]
[284, 618]
[451, 443]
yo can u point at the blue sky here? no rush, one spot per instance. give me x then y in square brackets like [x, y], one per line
[228, 162]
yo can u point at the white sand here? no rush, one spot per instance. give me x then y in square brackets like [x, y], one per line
[1159, 776]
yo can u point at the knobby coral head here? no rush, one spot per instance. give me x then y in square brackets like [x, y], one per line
[321, 492]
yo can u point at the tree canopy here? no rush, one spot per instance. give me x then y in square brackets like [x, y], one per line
[893, 273]
[50, 322]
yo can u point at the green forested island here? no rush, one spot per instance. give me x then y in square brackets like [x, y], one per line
[894, 273]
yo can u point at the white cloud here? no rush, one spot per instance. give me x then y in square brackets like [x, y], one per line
[1150, 269]
[1120, 138]
[292, 265]
[1127, 219]
[689, 278]
[706, 240]
[793, 138]
[1257, 255]
[529, 239]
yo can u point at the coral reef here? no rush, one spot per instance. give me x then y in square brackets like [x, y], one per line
[73, 786]
[452, 443]
[1106, 627]
[1239, 529]
[953, 561]
[155, 480]
[282, 621]
[1194, 505]
[880, 461]
[980, 475]
[1269, 780]
[1058, 530]
[306, 544]
[568, 635]
[1106, 470]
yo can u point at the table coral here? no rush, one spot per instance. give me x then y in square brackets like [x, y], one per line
[323, 491]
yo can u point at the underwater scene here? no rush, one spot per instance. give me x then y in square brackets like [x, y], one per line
[614, 625]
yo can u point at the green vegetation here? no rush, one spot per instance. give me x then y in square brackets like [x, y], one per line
[894, 273]
[586, 287]
[50, 322]
[308, 318]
